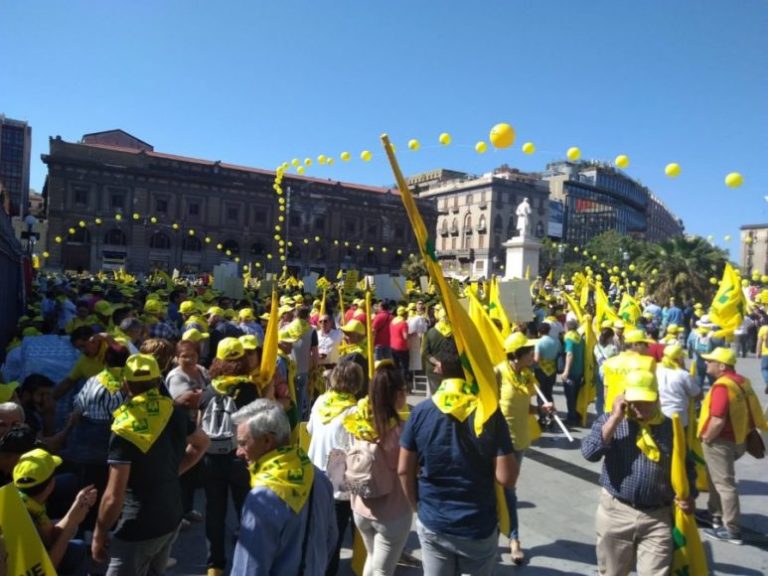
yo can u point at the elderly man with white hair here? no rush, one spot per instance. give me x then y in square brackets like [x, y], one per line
[288, 522]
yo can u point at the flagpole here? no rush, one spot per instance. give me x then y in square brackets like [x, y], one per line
[554, 414]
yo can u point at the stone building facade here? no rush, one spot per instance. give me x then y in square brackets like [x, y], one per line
[476, 215]
[112, 200]
[753, 249]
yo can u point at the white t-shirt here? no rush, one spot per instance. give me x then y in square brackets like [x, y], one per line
[676, 389]
[328, 344]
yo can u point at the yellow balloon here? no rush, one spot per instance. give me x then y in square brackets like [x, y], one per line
[366, 155]
[219, 246]
[573, 153]
[727, 238]
[46, 254]
[175, 226]
[321, 159]
[118, 217]
[228, 252]
[258, 264]
[748, 240]
[269, 256]
[136, 215]
[502, 135]
[744, 283]
[317, 238]
[414, 145]
[153, 220]
[81, 223]
[444, 139]
[764, 279]
[295, 162]
[71, 230]
[278, 227]
[191, 232]
[529, 148]
[481, 147]
[631, 267]
[345, 156]
[734, 180]
[300, 170]
[285, 166]
[207, 239]
[97, 221]
[307, 161]
[329, 160]
[672, 170]
[713, 280]
[622, 161]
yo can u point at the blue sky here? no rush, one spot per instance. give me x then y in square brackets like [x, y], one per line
[259, 82]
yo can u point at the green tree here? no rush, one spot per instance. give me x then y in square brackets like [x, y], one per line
[413, 268]
[681, 267]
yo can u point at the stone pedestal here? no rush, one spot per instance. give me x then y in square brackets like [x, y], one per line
[522, 255]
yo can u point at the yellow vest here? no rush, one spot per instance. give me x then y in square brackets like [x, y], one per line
[615, 370]
[741, 402]
[515, 391]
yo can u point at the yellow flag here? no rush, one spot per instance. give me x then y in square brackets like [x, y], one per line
[629, 309]
[496, 309]
[322, 303]
[695, 451]
[584, 297]
[728, 305]
[528, 272]
[478, 370]
[26, 553]
[341, 304]
[574, 306]
[588, 390]
[269, 352]
[603, 309]
[551, 275]
[487, 329]
[688, 556]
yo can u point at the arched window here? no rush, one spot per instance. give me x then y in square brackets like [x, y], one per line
[81, 236]
[192, 244]
[481, 224]
[160, 241]
[115, 237]
[232, 246]
[454, 226]
[466, 239]
[444, 227]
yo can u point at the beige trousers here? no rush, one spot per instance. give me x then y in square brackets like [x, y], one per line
[624, 533]
[721, 456]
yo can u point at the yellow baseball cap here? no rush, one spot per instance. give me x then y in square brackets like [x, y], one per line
[230, 314]
[284, 309]
[641, 386]
[195, 335]
[636, 336]
[402, 311]
[34, 468]
[619, 325]
[187, 307]
[722, 355]
[216, 311]
[230, 349]
[673, 351]
[246, 315]
[7, 390]
[250, 342]
[674, 329]
[264, 316]
[286, 335]
[518, 340]
[354, 327]
[141, 368]
[154, 307]
[606, 324]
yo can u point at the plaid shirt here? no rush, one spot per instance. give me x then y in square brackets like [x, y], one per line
[627, 473]
[163, 330]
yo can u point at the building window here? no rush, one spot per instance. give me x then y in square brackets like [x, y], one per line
[192, 244]
[399, 231]
[481, 224]
[295, 219]
[81, 236]
[232, 213]
[319, 223]
[498, 223]
[371, 229]
[117, 200]
[115, 237]
[469, 199]
[161, 205]
[194, 209]
[454, 226]
[81, 195]
[466, 242]
[350, 226]
[160, 241]
[259, 215]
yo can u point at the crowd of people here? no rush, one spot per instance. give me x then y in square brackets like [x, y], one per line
[122, 401]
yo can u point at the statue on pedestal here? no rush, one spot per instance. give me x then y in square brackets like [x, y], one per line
[523, 213]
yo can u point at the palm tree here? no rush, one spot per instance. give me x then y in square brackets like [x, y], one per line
[681, 267]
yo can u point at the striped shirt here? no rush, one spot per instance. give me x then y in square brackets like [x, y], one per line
[95, 402]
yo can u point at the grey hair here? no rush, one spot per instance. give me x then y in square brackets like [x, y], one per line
[131, 324]
[265, 417]
[572, 324]
[7, 408]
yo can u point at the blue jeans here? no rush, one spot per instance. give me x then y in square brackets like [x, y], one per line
[382, 353]
[571, 388]
[223, 473]
[764, 368]
[510, 495]
[75, 560]
[444, 555]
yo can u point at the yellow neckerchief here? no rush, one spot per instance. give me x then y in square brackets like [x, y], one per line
[111, 379]
[645, 441]
[288, 472]
[523, 381]
[572, 335]
[360, 422]
[37, 511]
[334, 404]
[669, 363]
[142, 419]
[444, 327]
[299, 327]
[359, 348]
[455, 397]
[226, 384]
[290, 373]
